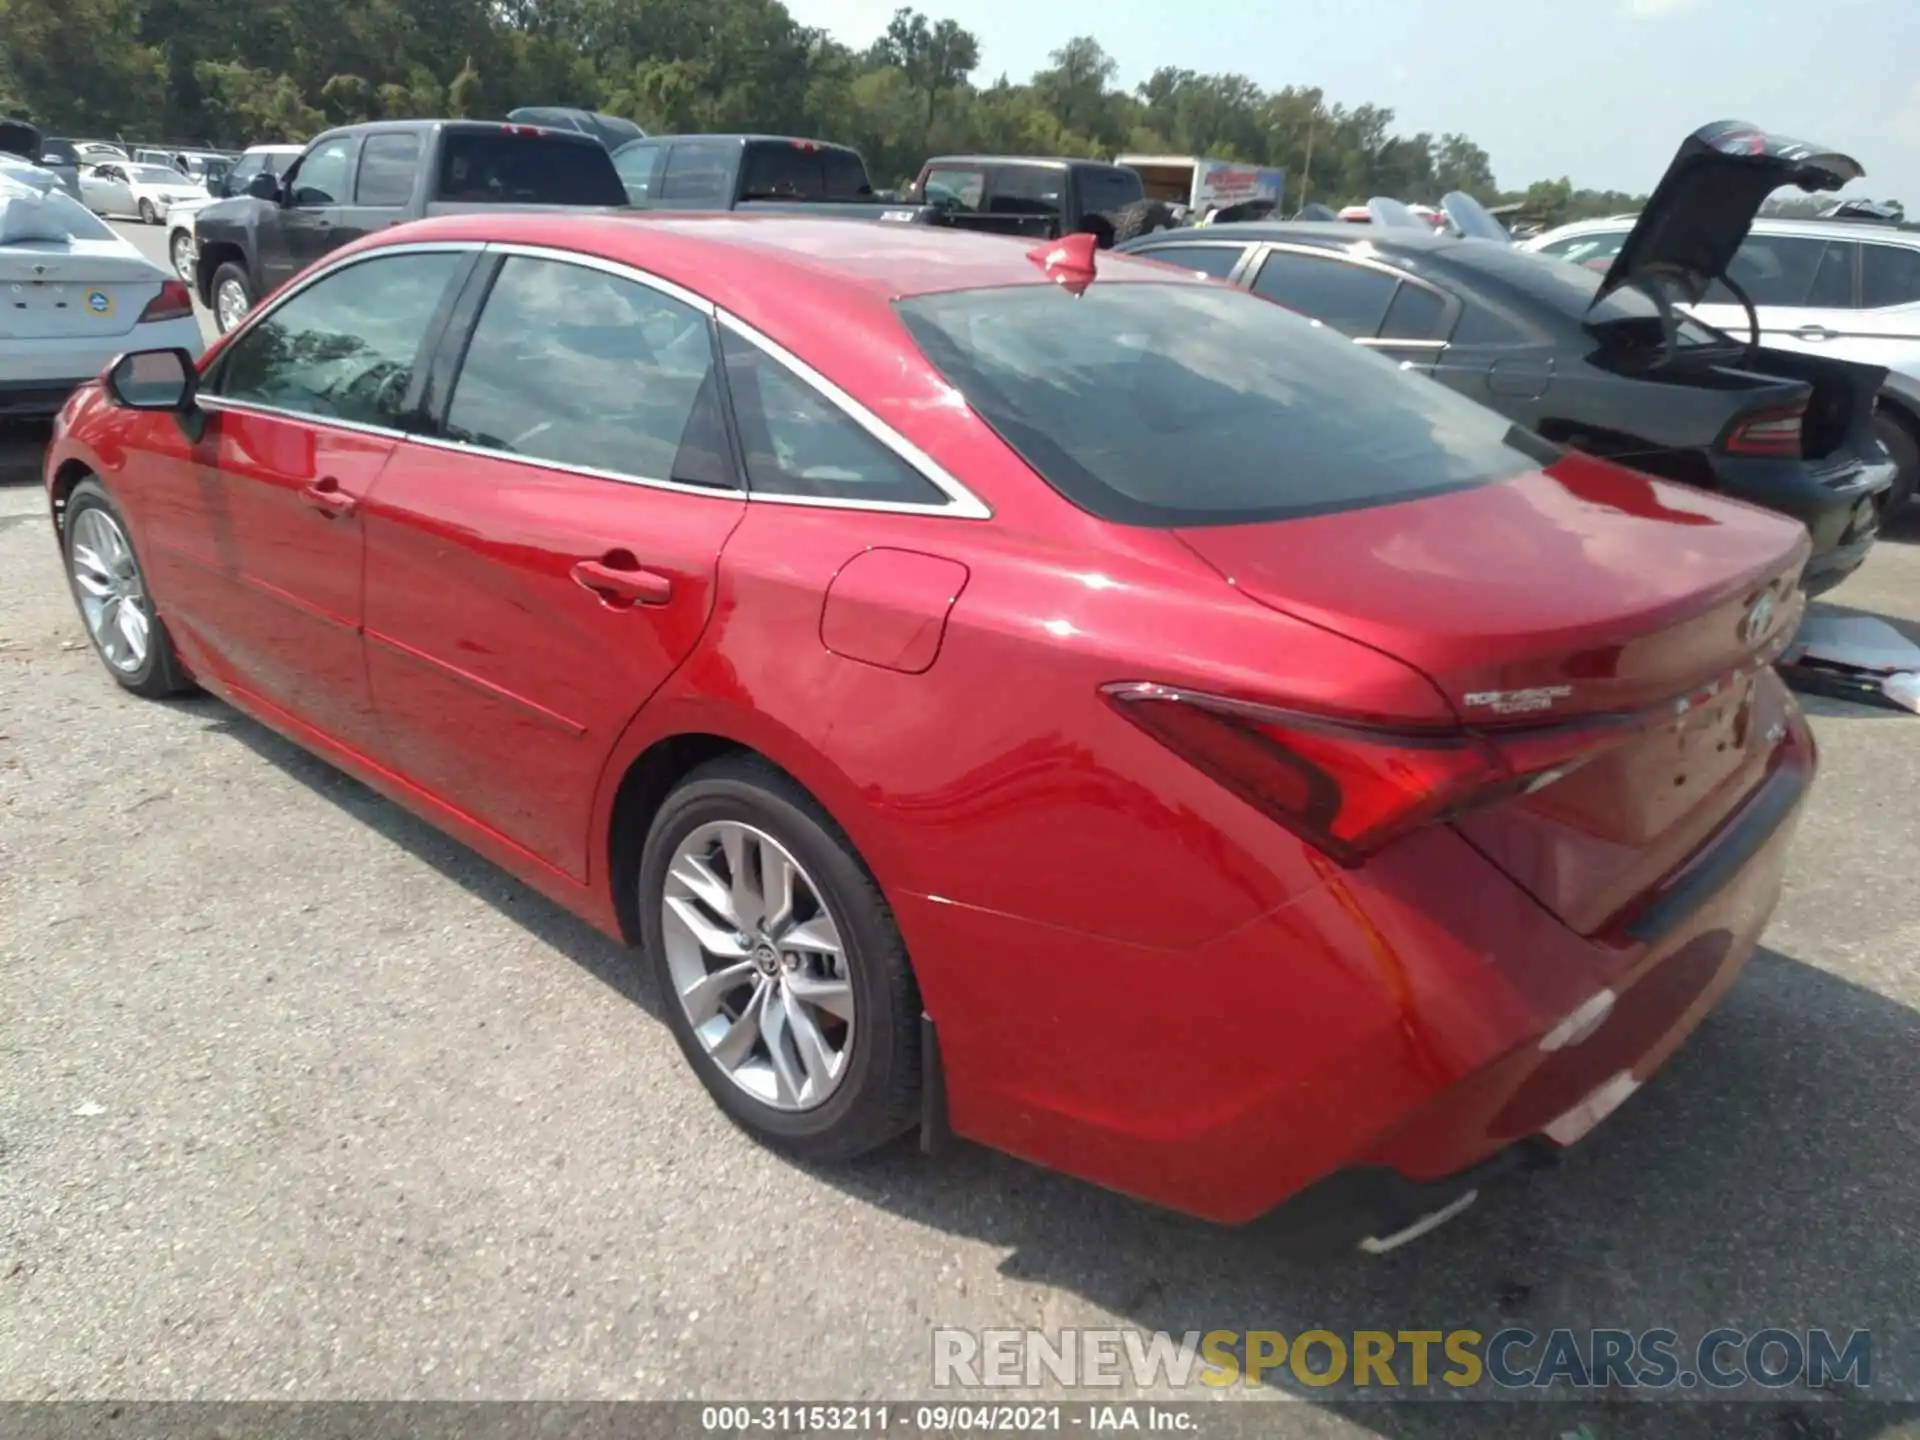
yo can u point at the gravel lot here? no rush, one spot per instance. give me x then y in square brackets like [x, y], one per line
[300, 1100]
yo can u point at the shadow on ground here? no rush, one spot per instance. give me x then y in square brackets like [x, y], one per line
[1766, 1178]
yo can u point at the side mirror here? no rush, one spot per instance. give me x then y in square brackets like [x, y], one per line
[264, 187]
[154, 380]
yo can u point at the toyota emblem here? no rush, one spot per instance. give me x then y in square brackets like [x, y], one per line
[1757, 619]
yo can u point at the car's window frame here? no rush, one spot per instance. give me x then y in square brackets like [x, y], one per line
[208, 397]
[441, 373]
[1451, 304]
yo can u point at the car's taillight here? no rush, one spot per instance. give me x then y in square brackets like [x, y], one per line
[174, 302]
[1767, 432]
[1349, 788]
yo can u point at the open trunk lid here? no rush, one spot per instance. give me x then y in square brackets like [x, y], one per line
[1582, 610]
[1705, 204]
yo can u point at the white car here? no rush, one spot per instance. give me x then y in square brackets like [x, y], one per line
[129, 188]
[79, 295]
[182, 243]
[1823, 287]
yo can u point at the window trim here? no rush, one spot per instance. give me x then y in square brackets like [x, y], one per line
[1453, 306]
[218, 403]
[960, 502]
[1235, 271]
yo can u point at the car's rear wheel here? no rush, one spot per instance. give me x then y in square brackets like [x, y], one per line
[232, 296]
[111, 590]
[180, 251]
[1905, 448]
[783, 974]
[148, 215]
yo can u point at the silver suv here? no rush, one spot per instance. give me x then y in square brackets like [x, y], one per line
[1826, 287]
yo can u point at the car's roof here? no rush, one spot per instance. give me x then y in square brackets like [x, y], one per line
[1064, 162]
[794, 277]
[1243, 232]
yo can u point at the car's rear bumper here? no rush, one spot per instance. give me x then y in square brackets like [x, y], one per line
[1837, 499]
[1409, 1021]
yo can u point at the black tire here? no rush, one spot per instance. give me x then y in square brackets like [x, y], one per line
[148, 215]
[161, 674]
[231, 271]
[1895, 433]
[1101, 228]
[1142, 217]
[879, 1098]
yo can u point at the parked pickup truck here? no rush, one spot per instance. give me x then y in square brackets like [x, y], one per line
[357, 179]
[753, 172]
[1042, 197]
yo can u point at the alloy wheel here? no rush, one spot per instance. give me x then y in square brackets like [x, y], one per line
[230, 304]
[758, 965]
[182, 248]
[113, 601]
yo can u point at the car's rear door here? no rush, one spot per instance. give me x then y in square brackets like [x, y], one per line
[540, 566]
[1801, 286]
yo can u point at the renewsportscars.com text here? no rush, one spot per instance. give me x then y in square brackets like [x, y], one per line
[1513, 1359]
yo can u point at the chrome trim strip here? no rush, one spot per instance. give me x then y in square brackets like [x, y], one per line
[482, 452]
[610, 267]
[221, 404]
[966, 505]
[1374, 342]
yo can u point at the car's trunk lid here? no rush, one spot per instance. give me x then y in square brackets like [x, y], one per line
[1705, 204]
[72, 288]
[1584, 601]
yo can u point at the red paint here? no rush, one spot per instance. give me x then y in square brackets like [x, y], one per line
[1137, 976]
[889, 608]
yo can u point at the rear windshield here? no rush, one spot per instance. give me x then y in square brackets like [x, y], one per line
[1150, 404]
[787, 170]
[494, 167]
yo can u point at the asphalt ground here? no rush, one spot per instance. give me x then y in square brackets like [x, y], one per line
[301, 1100]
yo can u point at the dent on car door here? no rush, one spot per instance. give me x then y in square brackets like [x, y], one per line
[538, 568]
[260, 523]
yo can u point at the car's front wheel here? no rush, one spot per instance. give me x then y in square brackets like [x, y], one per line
[180, 251]
[232, 295]
[783, 974]
[148, 215]
[111, 590]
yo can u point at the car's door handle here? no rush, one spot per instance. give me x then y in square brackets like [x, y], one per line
[1815, 332]
[326, 496]
[623, 584]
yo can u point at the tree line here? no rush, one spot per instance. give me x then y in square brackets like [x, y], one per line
[233, 72]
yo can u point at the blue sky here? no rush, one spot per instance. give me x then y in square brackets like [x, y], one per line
[1599, 90]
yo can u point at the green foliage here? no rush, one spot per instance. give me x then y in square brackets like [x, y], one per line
[233, 72]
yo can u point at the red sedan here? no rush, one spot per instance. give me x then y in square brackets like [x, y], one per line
[1031, 694]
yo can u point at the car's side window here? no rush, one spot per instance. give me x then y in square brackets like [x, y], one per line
[1351, 298]
[343, 348]
[1480, 324]
[247, 167]
[578, 367]
[322, 176]
[1413, 315]
[1774, 270]
[697, 173]
[639, 167]
[961, 190]
[1215, 260]
[389, 165]
[797, 442]
[1889, 275]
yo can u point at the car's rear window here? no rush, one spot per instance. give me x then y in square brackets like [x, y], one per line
[802, 171]
[1151, 404]
[497, 167]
